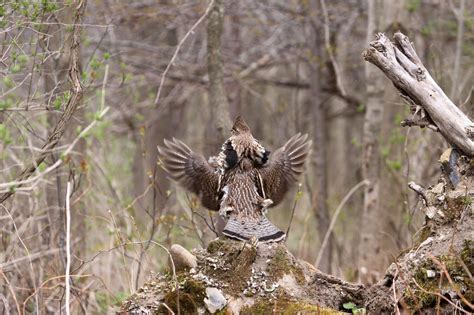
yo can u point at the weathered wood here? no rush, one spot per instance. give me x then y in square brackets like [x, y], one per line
[400, 63]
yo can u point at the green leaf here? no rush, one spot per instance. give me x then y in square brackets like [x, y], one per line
[349, 306]
[16, 68]
[57, 103]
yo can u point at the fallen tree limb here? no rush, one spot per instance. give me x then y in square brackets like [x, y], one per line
[431, 107]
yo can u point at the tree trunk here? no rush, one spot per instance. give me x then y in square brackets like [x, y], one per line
[319, 154]
[369, 246]
[220, 124]
[218, 103]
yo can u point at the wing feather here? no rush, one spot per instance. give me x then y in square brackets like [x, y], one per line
[284, 167]
[191, 171]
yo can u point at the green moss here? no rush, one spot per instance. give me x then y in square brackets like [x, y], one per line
[196, 288]
[237, 257]
[215, 245]
[467, 255]
[422, 236]
[280, 264]
[456, 268]
[417, 299]
[187, 304]
[455, 206]
[283, 305]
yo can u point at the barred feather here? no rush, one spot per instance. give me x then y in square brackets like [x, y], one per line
[245, 206]
[191, 171]
[285, 167]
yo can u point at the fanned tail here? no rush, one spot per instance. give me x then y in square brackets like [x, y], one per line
[244, 228]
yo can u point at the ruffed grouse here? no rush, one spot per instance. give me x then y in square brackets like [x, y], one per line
[241, 182]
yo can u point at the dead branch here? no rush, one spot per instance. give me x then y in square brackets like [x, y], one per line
[400, 63]
[419, 190]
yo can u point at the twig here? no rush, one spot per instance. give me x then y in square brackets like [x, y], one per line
[12, 292]
[175, 55]
[439, 295]
[443, 267]
[68, 246]
[210, 226]
[395, 294]
[25, 303]
[39, 254]
[19, 183]
[118, 235]
[297, 198]
[419, 190]
[27, 252]
[334, 219]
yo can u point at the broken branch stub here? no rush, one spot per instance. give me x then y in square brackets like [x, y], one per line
[400, 63]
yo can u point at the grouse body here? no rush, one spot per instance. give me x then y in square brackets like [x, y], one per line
[242, 181]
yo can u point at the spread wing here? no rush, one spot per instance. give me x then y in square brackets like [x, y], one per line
[284, 167]
[191, 171]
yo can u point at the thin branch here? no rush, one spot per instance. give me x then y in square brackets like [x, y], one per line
[334, 219]
[455, 288]
[297, 198]
[68, 246]
[440, 296]
[12, 292]
[34, 256]
[175, 55]
[26, 250]
[13, 185]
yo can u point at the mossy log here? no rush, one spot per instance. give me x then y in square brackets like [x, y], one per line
[434, 274]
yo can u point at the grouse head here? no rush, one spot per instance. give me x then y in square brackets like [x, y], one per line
[240, 127]
[244, 144]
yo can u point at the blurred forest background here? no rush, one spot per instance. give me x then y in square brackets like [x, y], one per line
[79, 84]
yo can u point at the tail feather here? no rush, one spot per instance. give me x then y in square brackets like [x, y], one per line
[244, 228]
